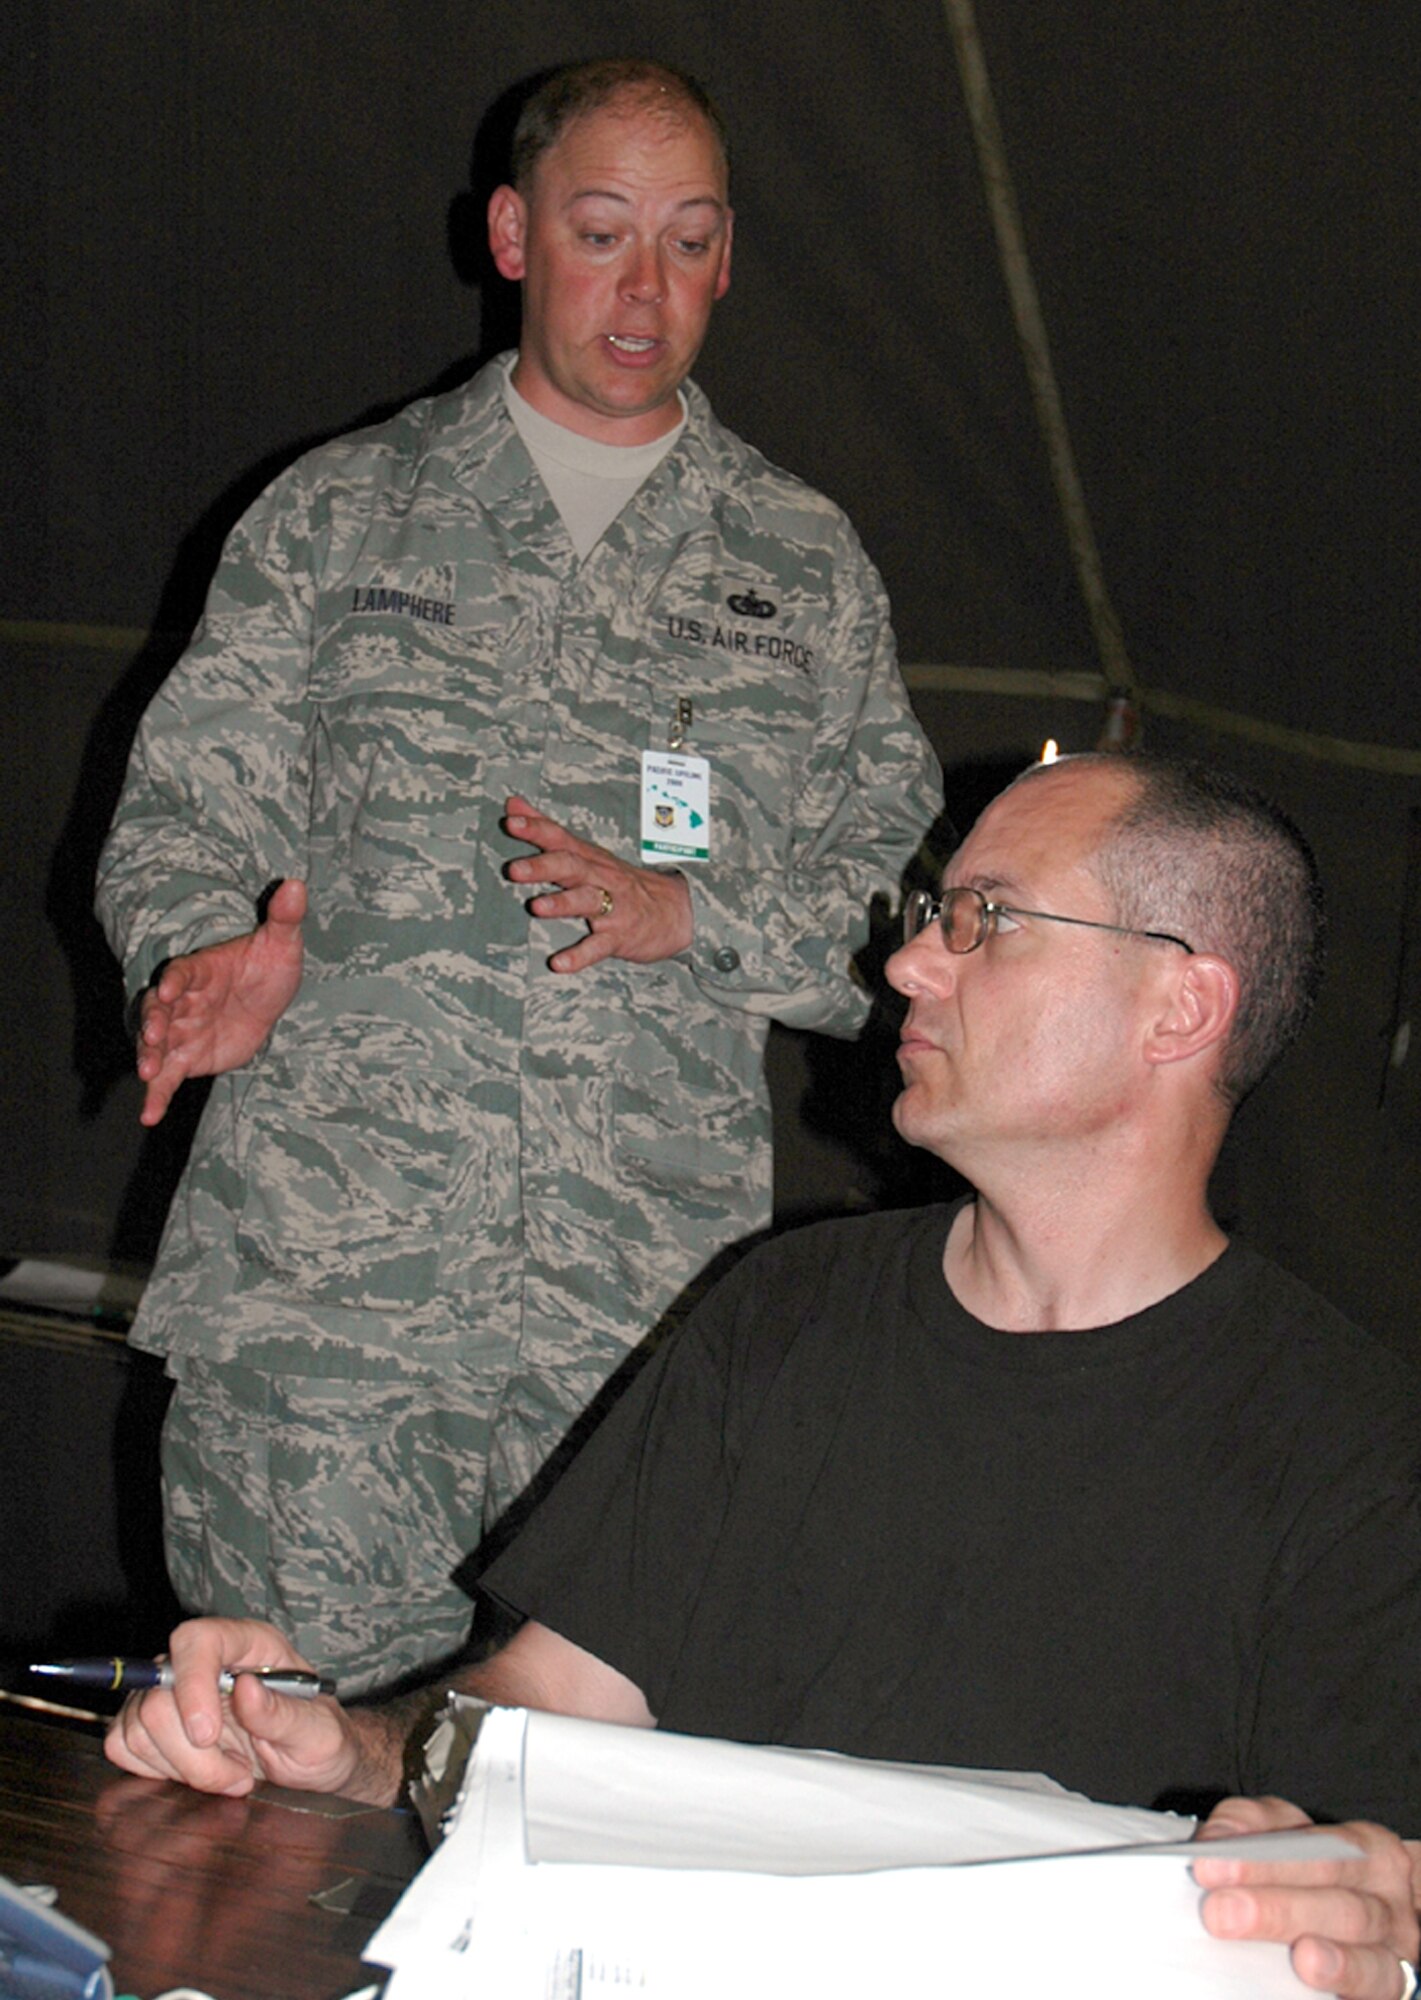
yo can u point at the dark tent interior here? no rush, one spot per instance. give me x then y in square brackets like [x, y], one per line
[231, 230]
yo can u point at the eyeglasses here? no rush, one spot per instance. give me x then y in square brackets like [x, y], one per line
[967, 919]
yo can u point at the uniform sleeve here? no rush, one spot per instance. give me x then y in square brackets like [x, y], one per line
[779, 943]
[213, 807]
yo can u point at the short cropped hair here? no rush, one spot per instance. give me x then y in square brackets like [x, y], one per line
[1199, 853]
[625, 81]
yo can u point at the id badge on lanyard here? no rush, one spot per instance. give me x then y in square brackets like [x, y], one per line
[675, 798]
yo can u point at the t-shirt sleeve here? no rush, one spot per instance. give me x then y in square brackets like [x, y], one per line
[614, 1557]
[1340, 1682]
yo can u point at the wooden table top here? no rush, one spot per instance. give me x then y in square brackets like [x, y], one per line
[266, 1898]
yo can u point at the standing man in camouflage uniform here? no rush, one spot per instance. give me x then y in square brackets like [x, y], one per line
[556, 630]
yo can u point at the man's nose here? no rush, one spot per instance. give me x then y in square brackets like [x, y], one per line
[644, 278]
[923, 965]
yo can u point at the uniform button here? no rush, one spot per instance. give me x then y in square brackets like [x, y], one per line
[727, 959]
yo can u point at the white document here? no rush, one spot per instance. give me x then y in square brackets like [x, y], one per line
[585, 1860]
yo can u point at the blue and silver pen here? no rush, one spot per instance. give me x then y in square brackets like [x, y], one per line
[121, 1675]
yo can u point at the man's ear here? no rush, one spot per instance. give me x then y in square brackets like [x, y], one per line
[507, 232]
[1198, 1013]
[722, 283]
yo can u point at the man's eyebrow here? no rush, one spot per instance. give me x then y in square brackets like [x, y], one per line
[615, 194]
[989, 885]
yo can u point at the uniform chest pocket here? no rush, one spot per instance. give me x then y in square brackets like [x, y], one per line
[396, 786]
[756, 773]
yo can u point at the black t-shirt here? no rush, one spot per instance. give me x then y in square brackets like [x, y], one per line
[1180, 1554]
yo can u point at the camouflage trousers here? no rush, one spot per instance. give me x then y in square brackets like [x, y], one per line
[335, 1509]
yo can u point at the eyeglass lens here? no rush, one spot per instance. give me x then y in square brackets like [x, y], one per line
[961, 913]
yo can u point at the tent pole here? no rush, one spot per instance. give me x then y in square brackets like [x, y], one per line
[1036, 349]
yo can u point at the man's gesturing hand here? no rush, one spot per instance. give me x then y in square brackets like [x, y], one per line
[641, 914]
[211, 1010]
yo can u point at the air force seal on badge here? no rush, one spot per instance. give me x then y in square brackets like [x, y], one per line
[675, 807]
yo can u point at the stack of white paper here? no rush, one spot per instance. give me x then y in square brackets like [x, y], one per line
[585, 1859]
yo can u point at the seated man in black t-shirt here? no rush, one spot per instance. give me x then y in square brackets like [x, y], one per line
[1056, 1479]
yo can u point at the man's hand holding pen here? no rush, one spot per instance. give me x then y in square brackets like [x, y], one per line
[230, 1742]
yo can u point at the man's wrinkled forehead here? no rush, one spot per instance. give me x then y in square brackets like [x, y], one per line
[627, 124]
[1051, 818]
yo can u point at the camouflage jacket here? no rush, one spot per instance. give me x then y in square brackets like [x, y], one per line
[446, 1153]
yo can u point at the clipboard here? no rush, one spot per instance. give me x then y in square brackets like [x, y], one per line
[45, 1955]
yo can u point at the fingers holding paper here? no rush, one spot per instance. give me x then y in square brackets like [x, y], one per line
[1351, 1925]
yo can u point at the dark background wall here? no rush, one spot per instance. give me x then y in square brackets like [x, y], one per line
[229, 229]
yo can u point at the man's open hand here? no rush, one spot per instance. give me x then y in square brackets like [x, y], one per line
[211, 1010]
